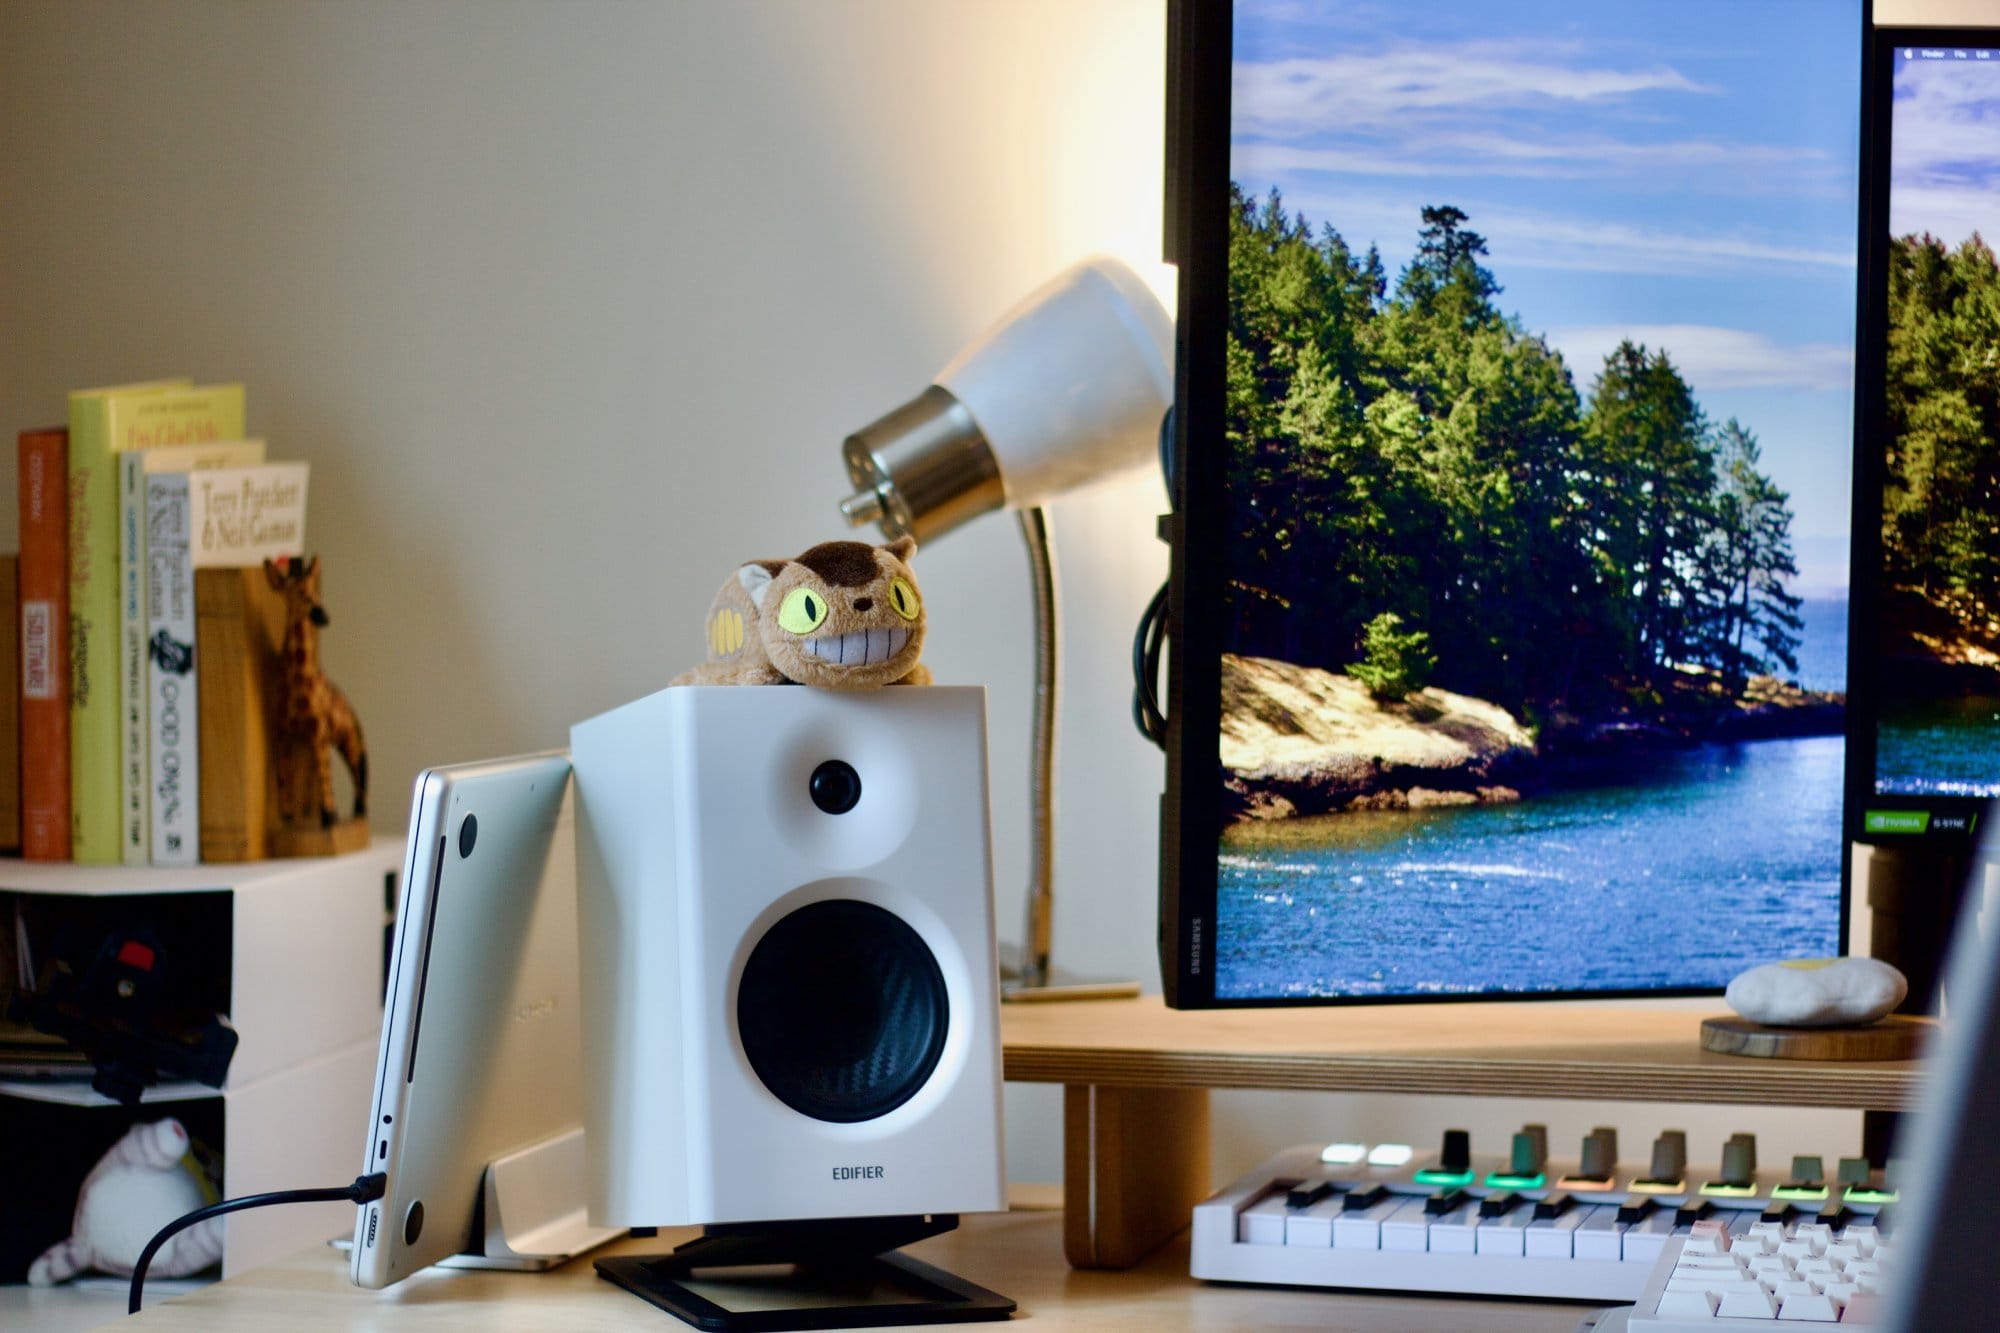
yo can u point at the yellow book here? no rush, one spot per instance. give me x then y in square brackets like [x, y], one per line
[103, 423]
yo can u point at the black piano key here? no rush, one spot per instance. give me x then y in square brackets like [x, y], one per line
[1305, 1196]
[1636, 1208]
[1555, 1205]
[1443, 1202]
[1692, 1212]
[1778, 1210]
[1367, 1197]
[1498, 1205]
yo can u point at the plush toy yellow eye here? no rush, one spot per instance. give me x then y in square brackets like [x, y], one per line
[903, 597]
[803, 611]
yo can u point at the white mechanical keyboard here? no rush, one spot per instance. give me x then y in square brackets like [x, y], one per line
[1457, 1224]
[1722, 1277]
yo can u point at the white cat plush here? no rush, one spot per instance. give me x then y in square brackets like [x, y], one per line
[146, 1180]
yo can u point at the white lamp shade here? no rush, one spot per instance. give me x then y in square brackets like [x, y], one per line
[1071, 384]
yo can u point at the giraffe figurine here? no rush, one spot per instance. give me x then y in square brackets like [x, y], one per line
[315, 717]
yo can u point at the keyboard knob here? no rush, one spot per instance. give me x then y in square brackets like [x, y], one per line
[1600, 1159]
[1749, 1142]
[1808, 1171]
[1670, 1155]
[1739, 1162]
[1529, 1153]
[1855, 1171]
[1456, 1153]
[1609, 1134]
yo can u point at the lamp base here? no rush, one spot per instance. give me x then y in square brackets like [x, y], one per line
[1018, 987]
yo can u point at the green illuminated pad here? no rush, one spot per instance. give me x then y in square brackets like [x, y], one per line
[1716, 1189]
[1501, 1180]
[1814, 1193]
[1431, 1175]
[1858, 1194]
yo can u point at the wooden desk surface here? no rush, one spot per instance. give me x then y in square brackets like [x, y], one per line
[1629, 1053]
[1019, 1254]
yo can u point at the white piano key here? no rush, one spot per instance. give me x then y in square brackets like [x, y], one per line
[1456, 1232]
[1647, 1237]
[1552, 1237]
[1407, 1228]
[1507, 1234]
[1600, 1235]
[1362, 1230]
[1263, 1222]
[1312, 1226]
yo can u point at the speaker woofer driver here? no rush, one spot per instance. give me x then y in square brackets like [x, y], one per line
[842, 1011]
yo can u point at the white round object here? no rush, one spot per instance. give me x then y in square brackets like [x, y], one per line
[1817, 992]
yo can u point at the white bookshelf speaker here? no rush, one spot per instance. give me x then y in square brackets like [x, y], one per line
[790, 988]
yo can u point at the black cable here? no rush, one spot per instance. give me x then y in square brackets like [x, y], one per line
[365, 1189]
[1147, 645]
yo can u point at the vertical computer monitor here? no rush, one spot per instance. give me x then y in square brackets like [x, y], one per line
[1512, 449]
[1926, 750]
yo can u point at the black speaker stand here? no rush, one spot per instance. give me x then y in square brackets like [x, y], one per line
[770, 1277]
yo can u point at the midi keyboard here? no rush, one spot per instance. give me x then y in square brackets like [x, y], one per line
[1360, 1216]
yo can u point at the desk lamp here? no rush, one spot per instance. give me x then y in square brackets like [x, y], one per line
[1069, 386]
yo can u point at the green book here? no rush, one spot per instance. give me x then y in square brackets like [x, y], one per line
[104, 423]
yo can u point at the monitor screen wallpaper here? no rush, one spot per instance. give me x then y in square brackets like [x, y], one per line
[1937, 732]
[1535, 512]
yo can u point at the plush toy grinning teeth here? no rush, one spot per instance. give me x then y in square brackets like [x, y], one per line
[863, 647]
[841, 615]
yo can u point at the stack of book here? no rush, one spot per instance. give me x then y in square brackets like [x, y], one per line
[149, 638]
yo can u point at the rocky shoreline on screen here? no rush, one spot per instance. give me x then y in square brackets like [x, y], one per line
[1299, 740]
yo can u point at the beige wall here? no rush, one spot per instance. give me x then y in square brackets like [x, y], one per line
[570, 305]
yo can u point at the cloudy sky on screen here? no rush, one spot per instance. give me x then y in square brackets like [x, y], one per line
[1944, 157]
[1681, 172]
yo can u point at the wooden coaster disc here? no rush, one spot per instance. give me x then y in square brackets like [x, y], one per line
[1895, 1037]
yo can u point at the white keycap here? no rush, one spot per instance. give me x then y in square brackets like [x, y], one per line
[1865, 1308]
[1686, 1305]
[1751, 1303]
[1863, 1235]
[1343, 1154]
[1844, 1251]
[1812, 1309]
[1752, 1246]
[1841, 1292]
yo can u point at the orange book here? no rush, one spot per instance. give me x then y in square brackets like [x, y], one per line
[10, 703]
[44, 464]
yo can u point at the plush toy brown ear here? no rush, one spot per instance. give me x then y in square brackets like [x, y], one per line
[902, 548]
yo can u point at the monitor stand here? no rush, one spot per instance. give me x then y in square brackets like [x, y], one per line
[531, 1213]
[767, 1277]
